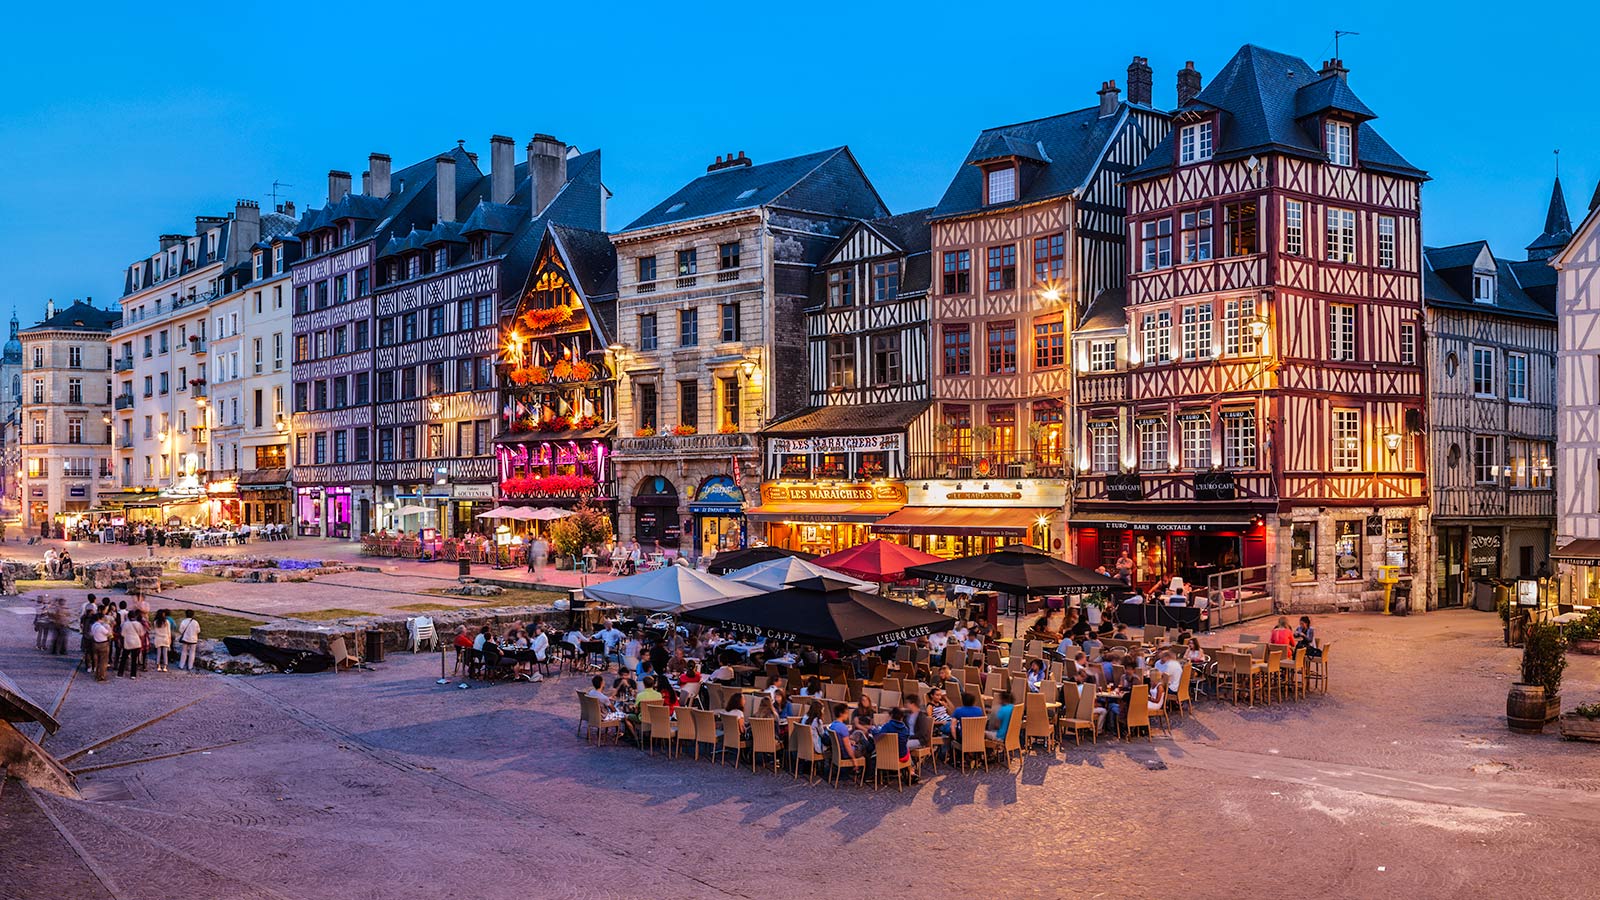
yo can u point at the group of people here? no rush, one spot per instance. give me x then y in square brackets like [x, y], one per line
[526, 644]
[122, 635]
[58, 564]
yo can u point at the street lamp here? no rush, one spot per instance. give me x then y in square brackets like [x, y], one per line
[1392, 441]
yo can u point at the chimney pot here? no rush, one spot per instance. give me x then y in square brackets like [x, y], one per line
[1334, 66]
[379, 165]
[1109, 95]
[1140, 81]
[1188, 83]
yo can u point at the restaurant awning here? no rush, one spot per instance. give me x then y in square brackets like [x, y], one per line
[1581, 552]
[820, 512]
[963, 521]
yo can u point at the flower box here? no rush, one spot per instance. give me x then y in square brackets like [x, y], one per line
[1580, 728]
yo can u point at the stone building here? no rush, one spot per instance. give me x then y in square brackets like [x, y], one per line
[66, 413]
[712, 287]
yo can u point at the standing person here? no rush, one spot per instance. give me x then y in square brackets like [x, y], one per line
[541, 552]
[60, 618]
[161, 638]
[133, 638]
[41, 622]
[188, 640]
[100, 637]
[149, 541]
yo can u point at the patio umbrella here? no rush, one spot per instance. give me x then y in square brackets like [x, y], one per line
[823, 612]
[544, 514]
[877, 560]
[671, 589]
[414, 510]
[499, 512]
[775, 574]
[734, 560]
[1020, 570]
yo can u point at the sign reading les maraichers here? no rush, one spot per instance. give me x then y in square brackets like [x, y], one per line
[837, 443]
[329, 266]
[890, 492]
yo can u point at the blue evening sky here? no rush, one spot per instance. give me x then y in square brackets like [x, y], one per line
[121, 122]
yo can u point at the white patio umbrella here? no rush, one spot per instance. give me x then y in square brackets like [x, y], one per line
[775, 574]
[547, 514]
[499, 512]
[671, 589]
[414, 510]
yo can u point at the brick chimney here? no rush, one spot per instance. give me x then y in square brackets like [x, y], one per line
[378, 169]
[286, 208]
[1188, 83]
[1335, 66]
[1110, 95]
[730, 162]
[1140, 81]
[246, 230]
[338, 186]
[547, 166]
[444, 188]
[502, 168]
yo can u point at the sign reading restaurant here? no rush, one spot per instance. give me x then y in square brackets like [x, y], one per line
[329, 266]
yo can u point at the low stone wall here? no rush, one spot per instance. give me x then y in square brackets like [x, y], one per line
[297, 635]
[132, 575]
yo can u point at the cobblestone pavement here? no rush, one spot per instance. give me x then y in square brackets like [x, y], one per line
[1401, 782]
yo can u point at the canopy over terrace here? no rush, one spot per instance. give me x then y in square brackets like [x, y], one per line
[671, 589]
[1021, 570]
[735, 560]
[822, 612]
[776, 574]
[877, 560]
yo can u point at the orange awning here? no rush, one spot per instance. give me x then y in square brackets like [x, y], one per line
[820, 512]
[963, 521]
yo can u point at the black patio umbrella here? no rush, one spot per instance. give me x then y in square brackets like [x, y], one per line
[749, 556]
[1017, 569]
[824, 613]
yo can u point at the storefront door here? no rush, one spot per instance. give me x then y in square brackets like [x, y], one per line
[1450, 566]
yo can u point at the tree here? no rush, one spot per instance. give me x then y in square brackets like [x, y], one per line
[586, 527]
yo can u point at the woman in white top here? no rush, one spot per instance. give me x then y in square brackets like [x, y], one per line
[188, 640]
[161, 638]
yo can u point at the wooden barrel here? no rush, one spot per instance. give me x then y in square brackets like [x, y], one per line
[1525, 708]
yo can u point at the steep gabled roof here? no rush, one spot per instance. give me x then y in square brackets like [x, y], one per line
[1061, 151]
[1447, 274]
[866, 418]
[1557, 226]
[1260, 108]
[828, 182]
[908, 234]
[1108, 311]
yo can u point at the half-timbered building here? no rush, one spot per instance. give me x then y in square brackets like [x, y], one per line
[559, 377]
[712, 288]
[1491, 351]
[1028, 232]
[1578, 413]
[841, 463]
[1269, 415]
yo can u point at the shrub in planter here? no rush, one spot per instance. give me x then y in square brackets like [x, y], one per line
[1535, 700]
[1583, 636]
[1582, 723]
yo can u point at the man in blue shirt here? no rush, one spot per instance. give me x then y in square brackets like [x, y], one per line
[969, 708]
[897, 726]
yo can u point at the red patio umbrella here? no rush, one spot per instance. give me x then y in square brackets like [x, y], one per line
[877, 560]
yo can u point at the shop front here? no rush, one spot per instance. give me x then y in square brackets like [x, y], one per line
[225, 501]
[1578, 574]
[1161, 548]
[953, 519]
[264, 495]
[824, 518]
[324, 511]
[717, 511]
[655, 513]
[466, 502]
[308, 511]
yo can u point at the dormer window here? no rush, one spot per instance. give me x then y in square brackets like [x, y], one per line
[441, 259]
[261, 262]
[1482, 288]
[1194, 143]
[277, 258]
[1002, 185]
[1337, 142]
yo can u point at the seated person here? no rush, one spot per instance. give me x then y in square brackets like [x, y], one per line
[724, 674]
[897, 726]
[1281, 636]
[598, 692]
[841, 727]
[969, 708]
[1003, 717]
[1037, 675]
[733, 714]
[939, 711]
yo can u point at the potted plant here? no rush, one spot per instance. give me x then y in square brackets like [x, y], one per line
[1582, 723]
[944, 433]
[586, 527]
[1534, 701]
[1583, 636]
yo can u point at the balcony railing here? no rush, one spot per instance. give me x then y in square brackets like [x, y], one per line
[124, 401]
[197, 345]
[966, 464]
[677, 444]
[123, 364]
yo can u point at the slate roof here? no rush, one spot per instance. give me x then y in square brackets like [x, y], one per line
[499, 218]
[1063, 151]
[591, 260]
[1557, 226]
[1264, 100]
[80, 316]
[866, 418]
[828, 182]
[1108, 310]
[1538, 280]
[1447, 282]
[909, 233]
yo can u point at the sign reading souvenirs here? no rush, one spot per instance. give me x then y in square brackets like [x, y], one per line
[842, 443]
[1124, 487]
[1214, 486]
[470, 283]
[329, 266]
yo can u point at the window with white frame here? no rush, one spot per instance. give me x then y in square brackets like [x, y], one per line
[1337, 143]
[1517, 462]
[1347, 439]
[1194, 436]
[1408, 344]
[1194, 143]
[1517, 376]
[1238, 338]
[1194, 233]
[1157, 331]
[1154, 446]
[1105, 448]
[1386, 242]
[1103, 356]
[1341, 239]
[1483, 371]
[1539, 470]
[1342, 332]
[1002, 185]
[1155, 245]
[1485, 459]
[1196, 333]
[1482, 288]
[1294, 227]
[1239, 438]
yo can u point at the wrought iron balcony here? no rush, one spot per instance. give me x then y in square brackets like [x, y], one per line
[124, 401]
